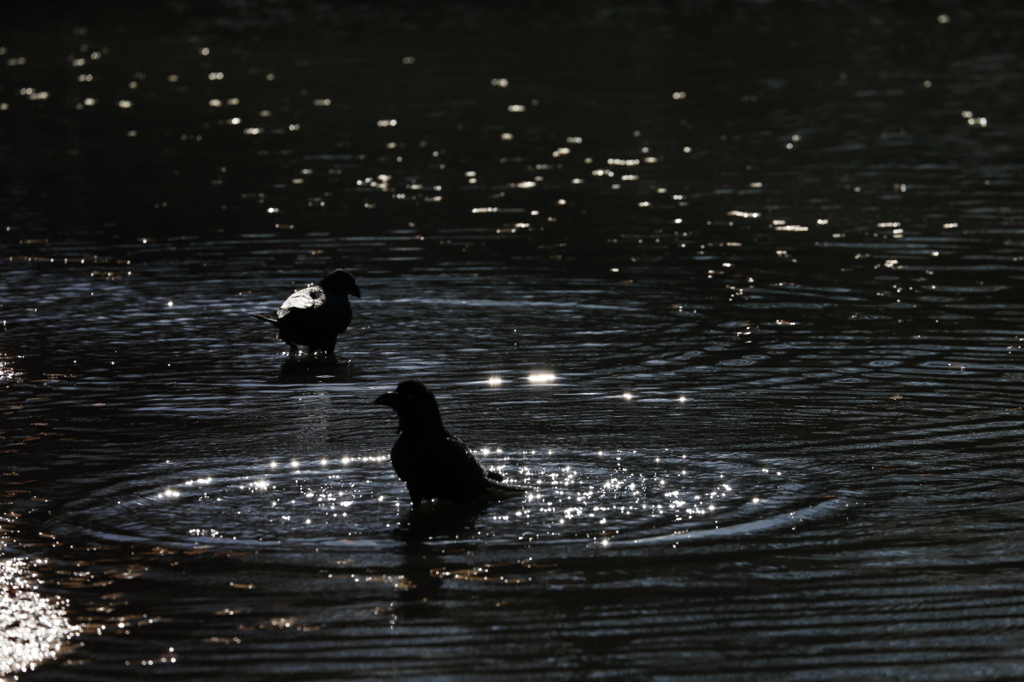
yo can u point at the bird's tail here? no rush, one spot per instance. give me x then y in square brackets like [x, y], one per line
[500, 491]
[266, 318]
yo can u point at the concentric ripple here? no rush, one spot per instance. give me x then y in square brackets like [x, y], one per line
[574, 497]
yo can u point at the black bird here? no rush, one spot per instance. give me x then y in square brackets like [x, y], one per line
[433, 462]
[314, 316]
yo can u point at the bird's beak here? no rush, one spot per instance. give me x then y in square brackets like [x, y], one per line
[390, 399]
[355, 291]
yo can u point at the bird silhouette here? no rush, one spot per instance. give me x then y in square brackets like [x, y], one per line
[433, 462]
[314, 316]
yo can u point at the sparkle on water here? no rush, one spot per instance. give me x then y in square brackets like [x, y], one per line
[633, 495]
[33, 628]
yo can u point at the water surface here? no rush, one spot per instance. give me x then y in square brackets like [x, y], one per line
[735, 289]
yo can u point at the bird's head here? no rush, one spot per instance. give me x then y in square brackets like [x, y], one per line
[414, 403]
[342, 281]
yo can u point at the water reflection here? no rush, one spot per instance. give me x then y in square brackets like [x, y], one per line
[317, 369]
[437, 522]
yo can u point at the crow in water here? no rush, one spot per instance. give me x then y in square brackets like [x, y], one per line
[432, 462]
[314, 316]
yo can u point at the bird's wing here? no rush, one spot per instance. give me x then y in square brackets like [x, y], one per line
[312, 307]
[304, 299]
[459, 456]
[473, 483]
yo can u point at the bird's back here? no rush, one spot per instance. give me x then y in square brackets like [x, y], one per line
[313, 305]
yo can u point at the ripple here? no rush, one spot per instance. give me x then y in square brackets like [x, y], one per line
[576, 497]
[290, 501]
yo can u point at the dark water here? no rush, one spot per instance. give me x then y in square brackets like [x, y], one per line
[735, 287]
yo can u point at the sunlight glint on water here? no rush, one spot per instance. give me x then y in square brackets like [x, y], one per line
[33, 628]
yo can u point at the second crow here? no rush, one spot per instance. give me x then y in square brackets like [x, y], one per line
[314, 316]
[433, 462]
